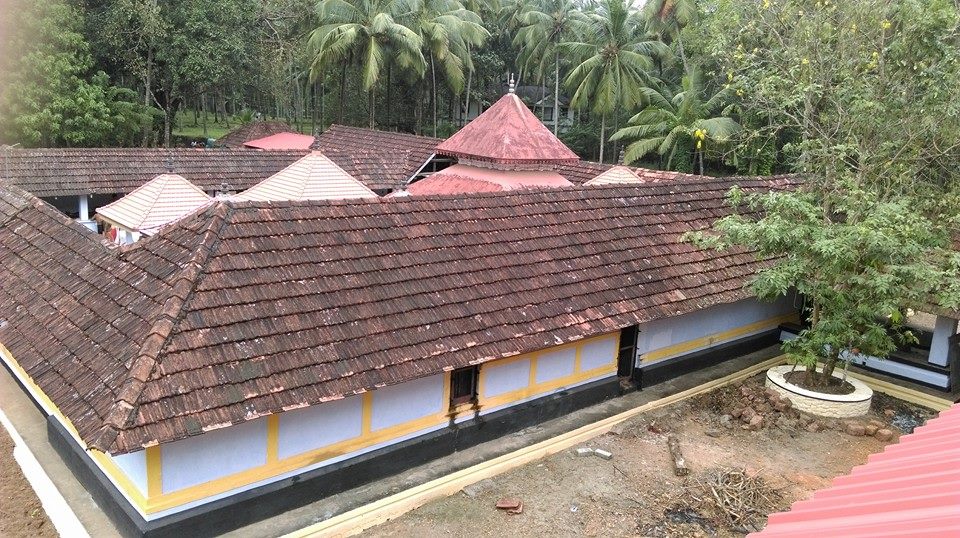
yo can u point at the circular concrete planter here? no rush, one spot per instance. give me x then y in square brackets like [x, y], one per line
[826, 405]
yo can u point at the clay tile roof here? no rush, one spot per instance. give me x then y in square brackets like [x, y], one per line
[69, 172]
[252, 131]
[282, 141]
[314, 177]
[381, 159]
[461, 178]
[158, 202]
[297, 303]
[507, 133]
[615, 175]
[909, 489]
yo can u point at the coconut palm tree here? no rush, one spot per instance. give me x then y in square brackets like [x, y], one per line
[679, 126]
[616, 61]
[666, 18]
[367, 31]
[447, 30]
[544, 27]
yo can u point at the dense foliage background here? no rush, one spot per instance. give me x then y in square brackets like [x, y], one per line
[718, 86]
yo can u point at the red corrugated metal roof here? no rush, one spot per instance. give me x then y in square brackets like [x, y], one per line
[912, 488]
[507, 133]
[282, 141]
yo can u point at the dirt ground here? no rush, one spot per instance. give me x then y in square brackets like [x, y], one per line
[753, 468]
[21, 514]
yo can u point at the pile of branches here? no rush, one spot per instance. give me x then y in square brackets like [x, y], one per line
[742, 499]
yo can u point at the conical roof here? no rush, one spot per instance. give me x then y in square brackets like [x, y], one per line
[160, 201]
[314, 177]
[507, 133]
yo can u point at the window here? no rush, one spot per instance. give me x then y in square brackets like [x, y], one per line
[463, 385]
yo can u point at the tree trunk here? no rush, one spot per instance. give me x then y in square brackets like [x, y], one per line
[466, 114]
[372, 104]
[683, 55]
[223, 108]
[433, 92]
[343, 92]
[147, 76]
[556, 93]
[603, 131]
[203, 108]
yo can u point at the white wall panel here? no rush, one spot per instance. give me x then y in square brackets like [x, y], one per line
[556, 364]
[214, 454]
[503, 378]
[718, 319]
[597, 353]
[134, 465]
[401, 403]
[320, 425]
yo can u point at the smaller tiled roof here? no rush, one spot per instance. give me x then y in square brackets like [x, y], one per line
[314, 177]
[381, 159]
[284, 140]
[507, 133]
[160, 201]
[909, 489]
[72, 171]
[462, 178]
[252, 131]
[615, 175]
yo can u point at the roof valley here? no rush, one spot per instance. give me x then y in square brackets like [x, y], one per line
[123, 411]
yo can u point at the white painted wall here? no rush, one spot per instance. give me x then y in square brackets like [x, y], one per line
[600, 352]
[134, 465]
[502, 378]
[408, 401]
[671, 331]
[215, 454]
[317, 426]
[556, 364]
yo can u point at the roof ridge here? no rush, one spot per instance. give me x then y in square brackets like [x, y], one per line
[143, 366]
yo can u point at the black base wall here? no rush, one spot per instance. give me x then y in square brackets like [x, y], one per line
[257, 504]
[671, 368]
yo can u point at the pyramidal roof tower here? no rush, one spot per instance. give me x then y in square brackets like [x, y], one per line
[507, 136]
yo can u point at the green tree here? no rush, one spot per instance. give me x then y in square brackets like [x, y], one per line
[858, 267]
[544, 27]
[448, 31]
[50, 94]
[666, 18]
[615, 62]
[369, 31]
[679, 126]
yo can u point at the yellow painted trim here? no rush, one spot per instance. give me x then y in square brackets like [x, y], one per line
[154, 473]
[104, 461]
[577, 360]
[537, 389]
[273, 438]
[357, 520]
[713, 339]
[366, 417]
[532, 378]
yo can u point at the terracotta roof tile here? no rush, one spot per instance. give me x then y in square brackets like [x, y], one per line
[292, 304]
[381, 159]
[252, 131]
[160, 201]
[507, 133]
[615, 175]
[461, 178]
[314, 177]
[69, 172]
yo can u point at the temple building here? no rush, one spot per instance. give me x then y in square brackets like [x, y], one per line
[275, 346]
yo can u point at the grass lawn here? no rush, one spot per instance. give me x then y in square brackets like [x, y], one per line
[184, 126]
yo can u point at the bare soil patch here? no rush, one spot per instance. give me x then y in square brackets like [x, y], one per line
[833, 385]
[21, 514]
[740, 471]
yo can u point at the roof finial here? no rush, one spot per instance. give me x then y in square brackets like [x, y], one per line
[169, 161]
[511, 87]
